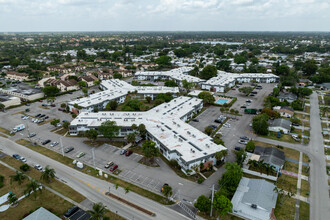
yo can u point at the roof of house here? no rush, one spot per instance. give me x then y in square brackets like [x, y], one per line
[257, 192]
[87, 78]
[270, 155]
[281, 122]
[287, 96]
[286, 111]
[17, 74]
[41, 214]
[288, 108]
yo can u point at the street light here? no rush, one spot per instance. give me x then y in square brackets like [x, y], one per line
[62, 146]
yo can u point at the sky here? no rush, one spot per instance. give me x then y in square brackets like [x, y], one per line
[164, 15]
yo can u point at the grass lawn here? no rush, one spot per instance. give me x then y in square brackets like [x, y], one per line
[307, 109]
[306, 117]
[136, 149]
[56, 185]
[100, 143]
[290, 166]
[45, 199]
[61, 131]
[297, 131]
[304, 191]
[285, 210]
[326, 151]
[90, 171]
[303, 211]
[307, 133]
[324, 125]
[305, 158]
[289, 153]
[287, 183]
[284, 137]
[307, 124]
[7, 132]
[2, 135]
[305, 171]
[298, 115]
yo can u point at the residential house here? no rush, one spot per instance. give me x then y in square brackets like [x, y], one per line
[89, 80]
[255, 199]
[41, 214]
[280, 124]
[290, 97]
[59, 69]
[304, 82]
[17, 76]
[271, 156]
[62, 85]
[284, 111]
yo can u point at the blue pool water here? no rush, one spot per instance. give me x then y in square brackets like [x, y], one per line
[221, 101]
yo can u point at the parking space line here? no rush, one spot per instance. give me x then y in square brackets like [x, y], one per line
[156, 185]
[137, 178]
[150, 182]
[145, 180]
[133, 176]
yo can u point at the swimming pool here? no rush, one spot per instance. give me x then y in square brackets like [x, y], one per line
[221, 101]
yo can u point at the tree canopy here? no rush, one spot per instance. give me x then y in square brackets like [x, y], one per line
[208, 72]
[203, 204]
[51, 91]
[207, 97]
[109, 129]
[260, 124]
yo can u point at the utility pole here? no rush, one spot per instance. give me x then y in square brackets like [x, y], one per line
[62, 146]
[212, 200]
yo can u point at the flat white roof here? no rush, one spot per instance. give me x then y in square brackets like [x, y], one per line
[116, 88]
[163, 122]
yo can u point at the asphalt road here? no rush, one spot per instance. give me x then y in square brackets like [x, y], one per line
[93, 188]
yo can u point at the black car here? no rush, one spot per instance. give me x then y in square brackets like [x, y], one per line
[46, 142]
[295, 124]
[71, 211]
[42, 115]
[243, 106]
[237, 148]
[68, 149]
[37, 115]
[251, 94]
[218, 121]
[196, 120]
[16, 156]
[46, 117]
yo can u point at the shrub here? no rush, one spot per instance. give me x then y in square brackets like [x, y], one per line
[25, 167]
[2, 178]
[280, 147]
[200, 180]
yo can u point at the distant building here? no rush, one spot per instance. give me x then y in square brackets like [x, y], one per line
[255, 199]
[9, 100]
[290, 97]
[24, 91]
[41, 214]
[63, 86]
[17, 76]
[280, 124]
[88, 79]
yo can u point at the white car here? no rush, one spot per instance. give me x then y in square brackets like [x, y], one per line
[38, 167]
[242, 142]
[23, 159]
[54, 144]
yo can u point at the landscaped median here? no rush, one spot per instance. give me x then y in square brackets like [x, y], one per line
[91, 171]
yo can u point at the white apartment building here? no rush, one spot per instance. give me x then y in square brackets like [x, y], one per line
[115, 89]
[166, 126]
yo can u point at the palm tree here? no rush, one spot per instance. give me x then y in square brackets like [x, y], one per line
[32, 187]
[127, 189]
[2, 107]
[48, 174]
[98, 211]
[167, 190]
[12, 199]
[19, 177]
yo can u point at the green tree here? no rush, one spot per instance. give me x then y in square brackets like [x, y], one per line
[231, 178]
[25, 167]
[32, 188]
[282, 70]
[309, 67]
[203, 204]
[66, 124]
[84, 90]
[82, 84]
[260, 124]
[222, 205]
[2, 107]
[250, 146]
[170, 83]
[98, 211]
[207, 97]
[187, 85]
[127, 189]
[150, 150]
[131, 138]
[276, 92]
[224, 65]
[163, 61]
[109, 129]
[48, 174]
[167, 191]
[240, 157]
[246, 90]
[208, 130]
[18, 177]
[220, 154]
[112, 105]
[91, 134]
[117, 76]
[12, 199]
[142, 130]
[208, 72]
[51, 91]
[148, 98]
[54, 122]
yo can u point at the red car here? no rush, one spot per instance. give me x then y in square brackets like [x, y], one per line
[53, 105]
[233, 89]
[41, 100]
[113, 167]
[128, 153]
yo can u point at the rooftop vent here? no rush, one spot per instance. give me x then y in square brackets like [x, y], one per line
[254, 206]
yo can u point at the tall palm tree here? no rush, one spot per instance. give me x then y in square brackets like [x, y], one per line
[19, 177]
[48, 174]
[98, 211]
[32, 187]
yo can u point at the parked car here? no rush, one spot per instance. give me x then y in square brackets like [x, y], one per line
[41, 116]
[123, 151]
[109, 164]
[23, 159]
[68, 149]
[31, 135]
[61, 109]
[54, 144]
[238, 148]
[128, 153]
[71, 211]
[46, 117]
[41, 100]
[27, 104]
[81, 154]
[16, 156]
[251, 94]
[113, 167]
[243, 106]
[295, 124]
[245, 138]
[46, 142]
[53, 105]
[37, 115]
[233, 89]
[38, 167]
[195, 119]
[242, 142]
